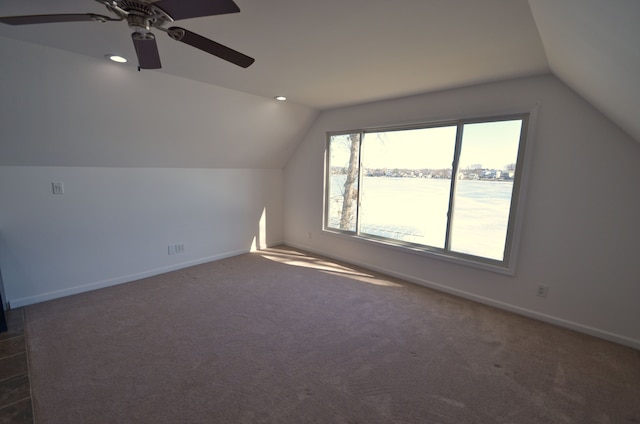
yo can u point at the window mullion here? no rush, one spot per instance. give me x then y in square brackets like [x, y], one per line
[454, 182]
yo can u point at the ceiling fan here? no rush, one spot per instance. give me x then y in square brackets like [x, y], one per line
[142, 15]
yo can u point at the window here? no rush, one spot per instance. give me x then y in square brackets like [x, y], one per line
[449, 189]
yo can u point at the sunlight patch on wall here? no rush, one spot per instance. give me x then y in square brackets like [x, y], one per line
[260, 239]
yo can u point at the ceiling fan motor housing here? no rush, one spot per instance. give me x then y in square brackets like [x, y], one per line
[138, 23]
[140, 15]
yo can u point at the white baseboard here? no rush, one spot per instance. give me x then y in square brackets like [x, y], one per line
[30, 300]
[606, 335]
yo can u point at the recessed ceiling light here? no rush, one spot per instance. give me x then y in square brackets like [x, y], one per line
[280, 98]
[116, 58]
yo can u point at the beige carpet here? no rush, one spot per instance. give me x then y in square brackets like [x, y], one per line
[279, 336]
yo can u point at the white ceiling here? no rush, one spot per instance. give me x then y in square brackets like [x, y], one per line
[330, 53]
[324, 53]
[594, 47]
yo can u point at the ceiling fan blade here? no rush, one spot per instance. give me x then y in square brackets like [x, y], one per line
[147, 50]
[185, 9]
[50, 19]
[210, 46]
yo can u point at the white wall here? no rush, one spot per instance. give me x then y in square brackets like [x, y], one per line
[581, 232]
[114, 225]
[147, 160]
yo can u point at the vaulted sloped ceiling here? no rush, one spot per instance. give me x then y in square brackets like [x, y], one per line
[594, 47]
[326, 54]
[64, 109]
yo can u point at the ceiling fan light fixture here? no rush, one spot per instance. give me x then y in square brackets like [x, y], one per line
[116, 58]
[280, 98]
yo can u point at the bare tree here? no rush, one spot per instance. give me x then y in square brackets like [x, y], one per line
[350, 196]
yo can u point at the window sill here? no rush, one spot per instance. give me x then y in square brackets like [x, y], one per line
[463, 260]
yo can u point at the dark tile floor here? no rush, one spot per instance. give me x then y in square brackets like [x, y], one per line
[15, 389]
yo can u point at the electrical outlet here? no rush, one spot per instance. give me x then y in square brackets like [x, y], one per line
[543, 290]
[176, 248]
[309, 235]
[57, 187]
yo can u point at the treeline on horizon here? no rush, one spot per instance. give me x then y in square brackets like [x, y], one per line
[443, 173]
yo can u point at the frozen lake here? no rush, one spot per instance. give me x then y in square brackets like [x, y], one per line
[415, 210]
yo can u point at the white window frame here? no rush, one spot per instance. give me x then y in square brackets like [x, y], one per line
[516, 213]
